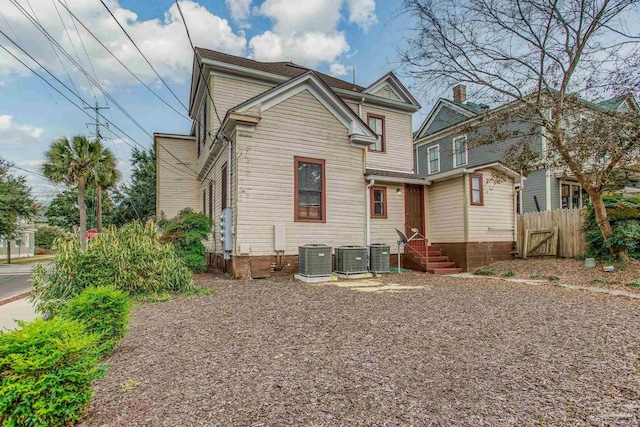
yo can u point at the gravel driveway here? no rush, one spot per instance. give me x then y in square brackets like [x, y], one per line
[457, 352]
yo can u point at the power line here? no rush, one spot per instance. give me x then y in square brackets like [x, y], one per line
[145, 58]
[121, 63]
[68, 99]
[68, 37]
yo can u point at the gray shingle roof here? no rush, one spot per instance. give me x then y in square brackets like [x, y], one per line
[285, 69]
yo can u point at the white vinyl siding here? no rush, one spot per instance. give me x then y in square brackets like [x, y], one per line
[460, 152]
[433, 159]
[177, 184]
[299, 126]
[493, 222]
[383, 229]
[398, 153]
[446, 211]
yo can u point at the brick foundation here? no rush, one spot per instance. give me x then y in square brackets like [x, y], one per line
[471, 255]
[260, 267]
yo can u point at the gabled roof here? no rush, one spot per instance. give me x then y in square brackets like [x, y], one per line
[499, 166]
[459, 107]
[615, 102]
[359, 133]
[285, 69]
[396, 86]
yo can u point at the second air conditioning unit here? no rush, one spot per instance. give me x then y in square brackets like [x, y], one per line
[314, 260]
[379, 258]
[351, 259]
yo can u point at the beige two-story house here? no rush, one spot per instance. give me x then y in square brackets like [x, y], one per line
[301, 157]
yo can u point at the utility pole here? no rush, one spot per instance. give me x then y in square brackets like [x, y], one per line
[98, 136]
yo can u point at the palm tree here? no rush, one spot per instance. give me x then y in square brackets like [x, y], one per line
[105, 176]
[74, 163]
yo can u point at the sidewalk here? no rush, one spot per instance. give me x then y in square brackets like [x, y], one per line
[17, 310]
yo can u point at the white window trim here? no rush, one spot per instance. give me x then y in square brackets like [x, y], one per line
[27, 240]
[433, 147]
[466, 151]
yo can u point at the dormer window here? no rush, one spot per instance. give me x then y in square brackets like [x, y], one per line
[376, 123]
[460, 151]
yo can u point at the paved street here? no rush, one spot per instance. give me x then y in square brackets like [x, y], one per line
[14, 284]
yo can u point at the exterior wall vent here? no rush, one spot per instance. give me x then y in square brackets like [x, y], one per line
[314, 260]
[351, 259]
[379, 258]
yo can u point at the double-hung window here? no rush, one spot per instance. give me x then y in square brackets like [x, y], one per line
[376, 123]
[378, 202]
[310, 192]
[433, 155]
[223, 192]
[460, 153]
[477, 192]
[211, 199]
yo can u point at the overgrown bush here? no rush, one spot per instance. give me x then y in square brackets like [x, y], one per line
[624, 216]
[186, 232]
[104, 311]
[45, 236]
[46, 369]
[131, 258]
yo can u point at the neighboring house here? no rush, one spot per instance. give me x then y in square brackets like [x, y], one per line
[21, 247]
[441, 146]
[302, 157]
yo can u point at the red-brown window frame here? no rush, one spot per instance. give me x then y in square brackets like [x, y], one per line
[204, 201]
[481, 179]
[372, 201]
[384, 132]
[224, 189]
[323, 196]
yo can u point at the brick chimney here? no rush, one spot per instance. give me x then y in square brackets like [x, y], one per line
[460, 93]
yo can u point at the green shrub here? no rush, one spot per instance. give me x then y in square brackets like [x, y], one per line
[131, 258]
[46, 369]
[485, 272]
[186, 232]
[104, 311]
[45, 236]
[624, 217]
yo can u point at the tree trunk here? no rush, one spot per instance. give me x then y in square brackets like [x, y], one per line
[602, 220]
[8, 251]
[82, 232]
[99, 208]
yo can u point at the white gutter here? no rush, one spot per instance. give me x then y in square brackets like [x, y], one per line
[396, 180]
[367, 198]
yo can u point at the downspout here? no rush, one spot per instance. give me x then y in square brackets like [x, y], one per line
[367, 198]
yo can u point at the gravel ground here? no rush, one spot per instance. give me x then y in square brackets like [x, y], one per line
[457, 352]
[571, 272]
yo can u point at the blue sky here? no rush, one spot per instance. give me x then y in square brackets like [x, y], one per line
[328, 35]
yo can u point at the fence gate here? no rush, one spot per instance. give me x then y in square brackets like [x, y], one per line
[541, 243]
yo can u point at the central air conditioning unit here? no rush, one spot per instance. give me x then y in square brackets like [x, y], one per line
[314, 260]
[351, 259]
[379, 258]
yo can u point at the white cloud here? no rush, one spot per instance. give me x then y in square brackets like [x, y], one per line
[163, 41]
[338, 70]
[240, 11]
[308, 49]
[362, 13]
[12, 133]
[297, 15]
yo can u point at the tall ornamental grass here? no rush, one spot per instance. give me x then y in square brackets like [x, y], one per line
[131, 258]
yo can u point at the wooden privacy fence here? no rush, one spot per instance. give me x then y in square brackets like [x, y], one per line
[541, 225]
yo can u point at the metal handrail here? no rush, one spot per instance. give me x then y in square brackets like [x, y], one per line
[416, 235]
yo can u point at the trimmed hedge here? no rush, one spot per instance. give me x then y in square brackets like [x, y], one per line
[104, 311]
[46, 369]
[624, 217]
